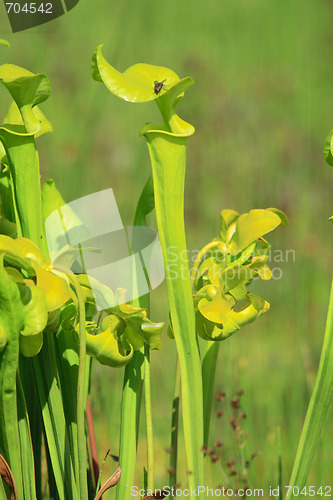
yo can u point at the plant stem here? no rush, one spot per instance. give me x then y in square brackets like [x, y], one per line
[130, 417]
[149, 420]
[53, 412]
[92, 441]
[175, 427]
[27, 456]
[81, 401]
[99, 480]
[317, 409]
[168, 154]
[8, 411]
[208, 377]
[279, 450]
[210, 356]
[134, 374]
[24, 168]
[199, 257]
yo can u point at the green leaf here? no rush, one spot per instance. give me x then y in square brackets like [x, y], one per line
[55, 288]
[11, 321]
[264, 272]
[14, 117]
[209, 361]
[51, 199]
[13, 254]
[236, 275]
[173, 124]
[236, 320]
[134, 374]
[27, 457]
[217, 309]
[27, 90]
[30, 346]
[168, 154]
[227, 217]
[53, 412]
[209, 329]
[7, 208]
[35, 312]
[15, 275]
[328, 149]
[3, 338]
[146, 203]
[251, 226]
[29, 251]
[136, 319]
[68, 315]
[104, 348]
[239, 292]
[135, 84]
[4, 42]
[7, 228]
[24, 170]
[319, 404]
[282, 215]
[92, 288]
[67, 358]
[54, 208]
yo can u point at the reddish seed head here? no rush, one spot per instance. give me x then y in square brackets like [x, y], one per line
[203, 448]
[235, 404]
[210, 452]
[233, 422]
[190, 473]
[220, 396]
[231, 463]
[240, 392]
[233, 473]
[218, 444]
[216, 459]
[218, 413]
[243, 414]
[170, 470]
[247, 436]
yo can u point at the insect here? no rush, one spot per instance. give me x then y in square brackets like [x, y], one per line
[158, 86]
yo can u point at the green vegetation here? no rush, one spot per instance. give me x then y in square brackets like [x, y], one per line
[260, 106]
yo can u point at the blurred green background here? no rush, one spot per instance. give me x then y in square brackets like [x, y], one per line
[262, 109]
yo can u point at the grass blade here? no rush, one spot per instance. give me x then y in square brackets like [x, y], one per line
[54, 420]
[208, 376]
[27, 458]
[317, 409]
[134, 376]
[175, 428]
[130, 416]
